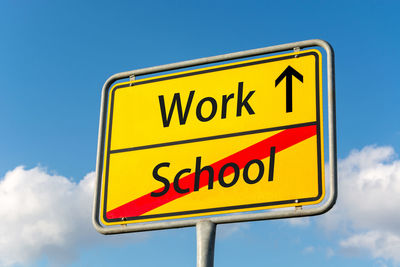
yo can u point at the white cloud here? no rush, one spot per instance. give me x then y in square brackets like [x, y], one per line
[45, 215]
[299, 222]
[367, 210]
[227, 230]
[308, 250]
[384, 245]
[330, 253]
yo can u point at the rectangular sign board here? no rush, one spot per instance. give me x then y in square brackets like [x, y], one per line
[230, 138]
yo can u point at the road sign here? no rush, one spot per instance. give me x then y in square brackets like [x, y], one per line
[230, 138]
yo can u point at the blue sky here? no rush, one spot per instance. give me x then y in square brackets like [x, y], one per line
[55, 57]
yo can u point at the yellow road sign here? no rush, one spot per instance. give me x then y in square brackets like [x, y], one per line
[230, 138]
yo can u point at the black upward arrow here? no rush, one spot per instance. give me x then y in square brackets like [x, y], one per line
[288, 73]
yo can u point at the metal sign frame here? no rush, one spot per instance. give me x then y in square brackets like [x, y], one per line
[268, 215]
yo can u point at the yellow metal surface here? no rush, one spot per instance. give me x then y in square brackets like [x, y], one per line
[223, 110]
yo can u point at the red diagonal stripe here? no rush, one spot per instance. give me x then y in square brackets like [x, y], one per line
[260, 150]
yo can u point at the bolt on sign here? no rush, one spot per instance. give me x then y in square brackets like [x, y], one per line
[231, 138]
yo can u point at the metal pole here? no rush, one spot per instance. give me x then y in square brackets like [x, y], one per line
[205, 231]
